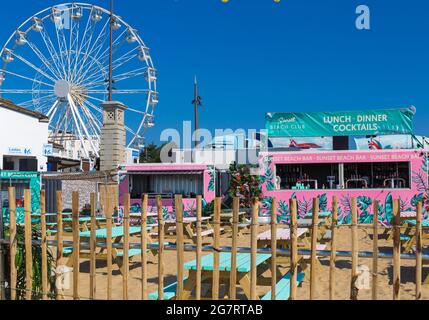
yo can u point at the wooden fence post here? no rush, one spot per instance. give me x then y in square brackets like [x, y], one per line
[76, 244]
[13, 242]
[233, 274]
[28, 245]
[294, 248]
[60, 246]
[254, 247]
[108, 209]
[419, 251]
[396, 249]
[199, 248]
[93, 248]
[314, 236]
[333, 257]
[44, 247]
[216, 254]
[161, 248]
[354, 291]
[144, 239]
[180, 246]
[126, 249]
[273, 249]
[375, 251]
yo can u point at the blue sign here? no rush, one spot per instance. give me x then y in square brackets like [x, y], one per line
[136, 154]
[48, 150]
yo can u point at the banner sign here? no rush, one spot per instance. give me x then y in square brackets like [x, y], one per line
[391, 142]
[329, 124]
[303, 143]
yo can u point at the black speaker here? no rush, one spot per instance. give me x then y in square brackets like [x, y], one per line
[341, 143]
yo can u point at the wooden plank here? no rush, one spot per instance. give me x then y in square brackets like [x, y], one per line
[375, 251]
[199, 248]
[233, 273]
[216, 243]
[419, 260]
[126, 244]
[354, 291]
[180, 246]
[60, 246]
[396, 249]
[108, 207]
[254, 247]
[44, 246]
[274, 248]
[28, 245]
[13, 241]
[93, 248]
[333, 256]
[76, 244]
[294, 248]
[144, 236]
[161, 248]
[313, 263]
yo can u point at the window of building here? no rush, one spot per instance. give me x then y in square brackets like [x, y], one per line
[307, 176]
[392, 175]
[167, 185]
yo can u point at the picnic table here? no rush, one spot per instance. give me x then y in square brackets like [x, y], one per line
[136, 217]
[84, 223]
[189, 227]
[243, 271]
[101, 236]
[226, 221]
[283, 237]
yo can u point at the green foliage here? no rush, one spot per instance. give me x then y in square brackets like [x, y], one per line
[151, 154]
[208, 210]
[244, 185]
[37, 266]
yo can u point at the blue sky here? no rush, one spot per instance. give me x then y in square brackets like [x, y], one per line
[256, 56]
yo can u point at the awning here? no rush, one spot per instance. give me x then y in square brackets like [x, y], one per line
[164, 173]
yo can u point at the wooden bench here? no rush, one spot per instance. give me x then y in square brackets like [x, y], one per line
[283, 287]
[169, 292]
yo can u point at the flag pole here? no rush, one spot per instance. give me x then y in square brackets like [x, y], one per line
[196, 102]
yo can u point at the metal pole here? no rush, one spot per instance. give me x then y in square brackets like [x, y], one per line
[196, 111]
[111, 53]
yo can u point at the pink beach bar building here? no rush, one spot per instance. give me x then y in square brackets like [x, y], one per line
[167, 180]
[381, 175]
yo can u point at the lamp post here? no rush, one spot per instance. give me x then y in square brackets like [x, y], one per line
[197, 102]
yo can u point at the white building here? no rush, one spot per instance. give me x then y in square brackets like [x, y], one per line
[23, 138]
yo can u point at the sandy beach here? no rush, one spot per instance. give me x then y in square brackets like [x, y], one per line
[342, 274]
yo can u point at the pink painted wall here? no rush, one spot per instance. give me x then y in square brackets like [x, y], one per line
[408, 197]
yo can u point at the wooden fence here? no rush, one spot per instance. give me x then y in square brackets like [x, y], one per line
[67, 241]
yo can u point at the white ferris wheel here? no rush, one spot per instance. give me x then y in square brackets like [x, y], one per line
[57, 63]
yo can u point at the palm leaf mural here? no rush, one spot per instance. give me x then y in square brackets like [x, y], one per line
[268, 176]
[420, 180]
[266, 206]
[323, 202]
[404, 204]
[189, 211]
[387, 214]
[304, 207]
[346, 209]
[211, 186]
[364, 204]
[283, 215]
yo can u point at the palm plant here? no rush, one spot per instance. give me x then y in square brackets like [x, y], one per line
[37, 266]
